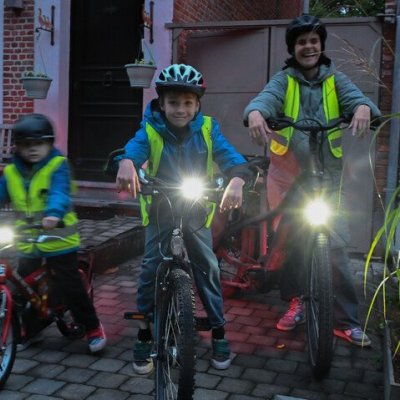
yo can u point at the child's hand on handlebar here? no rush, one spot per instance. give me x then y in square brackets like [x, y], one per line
[233, 195]
[361, 120]
[258, 128]
[50, 222]
[127, 178]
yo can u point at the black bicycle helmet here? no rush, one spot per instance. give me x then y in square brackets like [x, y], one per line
[181, 77]
[33, 127]
[303, 24]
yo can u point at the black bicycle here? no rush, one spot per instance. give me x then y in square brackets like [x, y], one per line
[319, 295]
[174, 313]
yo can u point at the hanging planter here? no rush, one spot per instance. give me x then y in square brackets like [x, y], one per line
[36, 85]
[141, 72]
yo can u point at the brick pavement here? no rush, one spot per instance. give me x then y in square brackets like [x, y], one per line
[267, 362]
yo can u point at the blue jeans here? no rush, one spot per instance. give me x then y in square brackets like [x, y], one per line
[205, 268]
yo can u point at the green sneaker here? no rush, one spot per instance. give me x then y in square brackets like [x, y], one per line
[221, 358]
[142, 362]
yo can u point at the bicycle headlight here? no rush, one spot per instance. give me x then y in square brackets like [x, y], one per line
[6, 235]
[317, 212]
[192, 188]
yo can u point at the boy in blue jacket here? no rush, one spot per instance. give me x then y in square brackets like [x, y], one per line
[175, 117]
[38, 185]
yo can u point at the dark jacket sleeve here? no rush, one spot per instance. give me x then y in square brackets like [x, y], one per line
[228, 159]
[4, 197]
[59, 199]
[350, 96]
[269, 102]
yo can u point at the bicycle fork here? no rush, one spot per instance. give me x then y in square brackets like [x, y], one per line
[6, 306]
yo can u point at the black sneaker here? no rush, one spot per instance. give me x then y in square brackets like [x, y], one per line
[142, 362]
[25, 343]
[221, 358]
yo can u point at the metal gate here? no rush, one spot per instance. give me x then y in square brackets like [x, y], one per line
[238, 58]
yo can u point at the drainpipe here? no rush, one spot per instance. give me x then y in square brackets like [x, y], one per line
[306, 6]
[394, 140]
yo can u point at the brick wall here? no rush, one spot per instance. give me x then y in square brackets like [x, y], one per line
[18, 57]
[230, 10]
[234, 10]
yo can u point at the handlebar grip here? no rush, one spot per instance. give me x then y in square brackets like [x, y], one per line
[60, 224]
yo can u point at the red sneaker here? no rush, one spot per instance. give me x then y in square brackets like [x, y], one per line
[293, 316]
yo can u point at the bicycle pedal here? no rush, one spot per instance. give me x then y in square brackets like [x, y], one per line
[202, 324]
[137, 316]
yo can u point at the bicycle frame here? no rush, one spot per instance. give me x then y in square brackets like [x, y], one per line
[15, 324]
[173, 317]
[248, 263]
[319, 283]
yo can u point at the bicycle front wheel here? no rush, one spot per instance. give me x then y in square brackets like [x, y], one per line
[319, 307]
[175, 361]
[8, 334]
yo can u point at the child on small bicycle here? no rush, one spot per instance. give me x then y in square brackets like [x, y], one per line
[310, 87]
[38, 185]
[172, 136]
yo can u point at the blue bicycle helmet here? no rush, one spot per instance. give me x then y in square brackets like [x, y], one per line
[181, 77]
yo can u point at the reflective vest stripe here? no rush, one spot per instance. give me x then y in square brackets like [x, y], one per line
[32, 204]
[279, 144]
[156, 147]
[331, 108]
[206, 130]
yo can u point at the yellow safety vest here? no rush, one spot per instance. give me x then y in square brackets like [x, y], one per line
[32, 204]
[156, 147]
[291, 106]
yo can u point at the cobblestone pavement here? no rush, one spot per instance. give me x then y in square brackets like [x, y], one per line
[267, 362]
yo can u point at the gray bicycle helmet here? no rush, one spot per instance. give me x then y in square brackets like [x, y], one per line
[181, 77]
[303, 24]
[33, 127]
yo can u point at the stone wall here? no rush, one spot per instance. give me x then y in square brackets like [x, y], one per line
[19, 43]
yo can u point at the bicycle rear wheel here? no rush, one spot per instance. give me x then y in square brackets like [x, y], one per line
[319, 307]
[8, 342]
[175, 361]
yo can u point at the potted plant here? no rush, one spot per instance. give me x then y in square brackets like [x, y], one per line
[36, 84]
[141, 73]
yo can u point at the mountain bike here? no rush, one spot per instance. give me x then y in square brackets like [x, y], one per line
[31, 303]
[174, 313]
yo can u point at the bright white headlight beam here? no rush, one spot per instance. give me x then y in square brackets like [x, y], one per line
[317, 212]
[192, 188]
[6, 235]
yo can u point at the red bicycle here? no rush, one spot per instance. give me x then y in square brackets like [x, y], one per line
[43, 305]
[240, 245]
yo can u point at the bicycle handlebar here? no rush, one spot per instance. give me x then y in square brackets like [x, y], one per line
[281, 122]
[152, 185]
[37, 225]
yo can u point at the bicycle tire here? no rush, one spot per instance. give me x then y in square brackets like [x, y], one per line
[319, 307]
[9, 348]
[175, 329]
